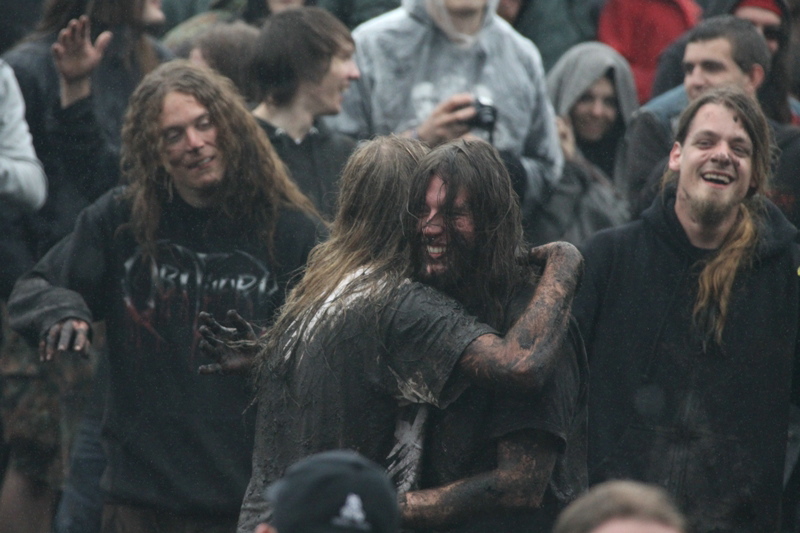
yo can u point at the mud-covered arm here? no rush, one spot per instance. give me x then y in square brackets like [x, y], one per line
[525, 461]
[524, 359]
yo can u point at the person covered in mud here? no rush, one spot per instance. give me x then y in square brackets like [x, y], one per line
[357, 339]
[690, 316]
[493, 461]
[209, 221]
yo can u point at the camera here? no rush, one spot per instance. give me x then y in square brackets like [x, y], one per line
[485, 115]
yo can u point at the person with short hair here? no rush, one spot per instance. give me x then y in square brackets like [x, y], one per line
[622, 507]
[302, 65]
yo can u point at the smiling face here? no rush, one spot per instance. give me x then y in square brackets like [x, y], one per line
[714, 166]
[325, 97]
[595, 112]
[435, 223]
[190, 154]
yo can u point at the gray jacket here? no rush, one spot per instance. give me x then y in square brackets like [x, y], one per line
[409, 65]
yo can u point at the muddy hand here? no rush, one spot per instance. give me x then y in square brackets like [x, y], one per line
[68, 335]
[232, 347]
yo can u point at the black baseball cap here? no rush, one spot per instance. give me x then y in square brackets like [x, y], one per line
[334, 492]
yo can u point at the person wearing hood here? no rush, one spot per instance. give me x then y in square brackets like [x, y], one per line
[772, 20]
[690, 316]
[594, 95]
[426, 66]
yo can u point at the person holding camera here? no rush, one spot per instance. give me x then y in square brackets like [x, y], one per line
[429, 68]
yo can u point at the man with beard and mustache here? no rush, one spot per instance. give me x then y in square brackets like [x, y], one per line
[690, 316]
[492, 461]
[359, 350]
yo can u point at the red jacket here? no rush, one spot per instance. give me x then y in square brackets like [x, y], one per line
[641, 29]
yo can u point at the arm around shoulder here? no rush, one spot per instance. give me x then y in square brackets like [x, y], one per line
[526, 356]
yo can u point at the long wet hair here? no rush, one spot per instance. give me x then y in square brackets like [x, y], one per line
[255, 185]
[475, 167]
[365, 236]
[737, 250]
[116, 15]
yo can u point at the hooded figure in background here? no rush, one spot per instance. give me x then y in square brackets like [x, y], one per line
[594, 95]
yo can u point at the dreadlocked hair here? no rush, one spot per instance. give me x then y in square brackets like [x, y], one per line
[715, 283]
[475, 167]
[255, 185]
[366, 251]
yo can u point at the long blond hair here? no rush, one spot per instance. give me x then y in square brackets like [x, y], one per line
[366, 235]
[716, 279]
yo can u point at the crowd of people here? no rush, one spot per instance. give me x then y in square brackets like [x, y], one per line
[371, 266]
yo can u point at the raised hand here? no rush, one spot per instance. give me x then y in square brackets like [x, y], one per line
[233, 347]
[76, 57]
[68, 335]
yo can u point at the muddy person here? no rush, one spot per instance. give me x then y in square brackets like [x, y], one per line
[360, 346]
[209, 221]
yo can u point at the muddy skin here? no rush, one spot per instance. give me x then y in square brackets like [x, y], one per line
[233, 347]
[525, 462]
[524, 359]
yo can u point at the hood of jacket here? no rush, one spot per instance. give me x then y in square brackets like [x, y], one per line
[580, 67]
[434, 12]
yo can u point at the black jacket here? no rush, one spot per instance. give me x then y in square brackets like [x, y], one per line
[707, 422]
[175, 440]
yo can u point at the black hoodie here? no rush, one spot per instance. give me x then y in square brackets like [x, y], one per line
[707, 422]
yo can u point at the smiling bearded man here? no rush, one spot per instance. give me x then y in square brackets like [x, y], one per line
[690, 317]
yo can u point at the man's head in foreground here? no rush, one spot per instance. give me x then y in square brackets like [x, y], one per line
[621, 507]
[463, 223]
[725, 50]
[333, 492]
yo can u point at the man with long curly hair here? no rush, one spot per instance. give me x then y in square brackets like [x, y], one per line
[690, 317]
[209, 222]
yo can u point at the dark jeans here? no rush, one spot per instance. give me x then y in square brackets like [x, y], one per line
[81, 506]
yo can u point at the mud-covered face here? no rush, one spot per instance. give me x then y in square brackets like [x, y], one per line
[446, 237]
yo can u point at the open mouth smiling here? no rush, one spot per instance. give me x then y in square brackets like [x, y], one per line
[717, 178]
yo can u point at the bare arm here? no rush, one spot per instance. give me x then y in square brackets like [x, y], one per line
[526, 356]
[525, 461]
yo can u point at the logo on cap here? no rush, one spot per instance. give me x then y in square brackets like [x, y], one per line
[352, 514]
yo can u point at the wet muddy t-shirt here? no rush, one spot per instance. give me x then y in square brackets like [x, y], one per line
[343, 385]
[461, 440]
